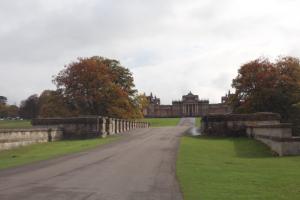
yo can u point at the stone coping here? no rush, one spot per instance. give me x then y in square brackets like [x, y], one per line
[29, 129]
[262, 116]
[73, 120]
[281, 125]
[279, 139]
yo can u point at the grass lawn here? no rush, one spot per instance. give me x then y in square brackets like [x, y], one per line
[198, 122]
[9, 124]
[235, 168]
[159, 122]
[43, 151]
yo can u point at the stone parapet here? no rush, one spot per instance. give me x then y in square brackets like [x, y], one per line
[12, 138]
[264, 127]
[52, 129]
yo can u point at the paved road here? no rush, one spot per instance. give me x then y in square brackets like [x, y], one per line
[140, 166]
[188, 121]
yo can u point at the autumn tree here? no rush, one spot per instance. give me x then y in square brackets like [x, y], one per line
[53, 104]
[98, 86]
[265, 86]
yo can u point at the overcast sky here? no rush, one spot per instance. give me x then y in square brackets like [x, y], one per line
[171, 46]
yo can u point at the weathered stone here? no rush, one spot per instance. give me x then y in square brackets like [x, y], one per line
[117, 129]
[12, 138]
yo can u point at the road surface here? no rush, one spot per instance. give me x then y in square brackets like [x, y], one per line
[140, 166]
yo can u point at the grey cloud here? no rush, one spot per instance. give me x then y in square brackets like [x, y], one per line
[171, 46]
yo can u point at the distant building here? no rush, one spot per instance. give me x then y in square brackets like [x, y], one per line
[189, 106]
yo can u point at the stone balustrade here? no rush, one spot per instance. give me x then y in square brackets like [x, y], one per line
[88, 127]
[52, 129]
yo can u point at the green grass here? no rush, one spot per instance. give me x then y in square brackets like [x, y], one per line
[235, 168]
[43, 151]
[10, 124]
[198, 122]
[160, 122]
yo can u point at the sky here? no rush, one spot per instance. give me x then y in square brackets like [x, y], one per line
[171, 46]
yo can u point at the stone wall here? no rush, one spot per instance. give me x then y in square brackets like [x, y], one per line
[278, 137]
[264, 127]
[12, 138]
[89, 127]
[235, 124]
[52, 129]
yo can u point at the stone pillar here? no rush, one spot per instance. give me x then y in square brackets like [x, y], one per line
[103, 127]
[131, 124]
[112, 126]
[125, 125]
[128, 125]
[117, 127]
[108, 126]
[122, 125]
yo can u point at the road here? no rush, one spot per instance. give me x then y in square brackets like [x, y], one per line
[140, 166]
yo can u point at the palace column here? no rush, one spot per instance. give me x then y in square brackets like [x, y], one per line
[193, 109]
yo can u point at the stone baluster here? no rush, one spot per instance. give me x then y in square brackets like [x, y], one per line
[123, 125]
[112, 126]
[117, 126]
[103, 127]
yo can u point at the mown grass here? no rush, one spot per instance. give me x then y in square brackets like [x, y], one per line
[43, 151]
[198, 122]
[160, 122]
[235, 168]
[11, 124]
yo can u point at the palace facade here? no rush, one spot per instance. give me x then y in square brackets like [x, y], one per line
[189, 106]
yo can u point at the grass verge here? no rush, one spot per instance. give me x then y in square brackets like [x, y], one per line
[160, 122]
[44, 151]
[10, 124]
[235, 168]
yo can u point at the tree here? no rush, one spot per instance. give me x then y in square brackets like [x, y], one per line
[12, 111]
[53, 104]
[29, 108]
[98, 86]
[7, 110]
[265, 86]
[3, 100]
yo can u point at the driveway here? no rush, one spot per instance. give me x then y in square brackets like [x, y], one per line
[140, 166]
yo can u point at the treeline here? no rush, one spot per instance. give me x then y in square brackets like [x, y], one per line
[88, 86]
[8, 111]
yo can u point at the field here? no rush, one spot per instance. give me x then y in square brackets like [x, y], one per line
[10, 124]
[43, 151]
[160, 122]
[235, 168]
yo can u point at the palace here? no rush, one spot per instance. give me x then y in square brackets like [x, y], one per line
[189, 106]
